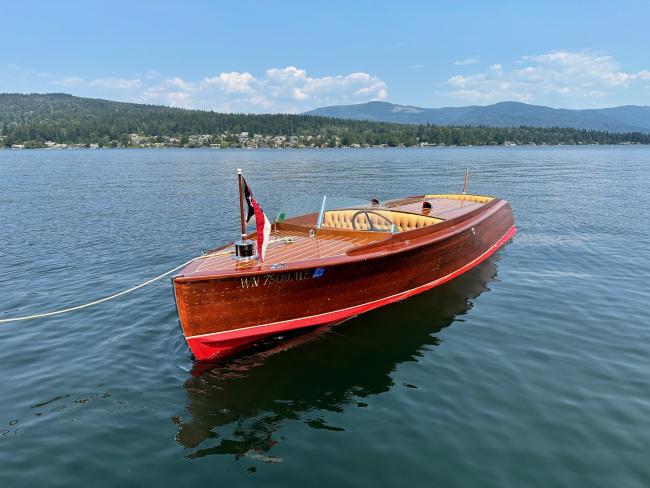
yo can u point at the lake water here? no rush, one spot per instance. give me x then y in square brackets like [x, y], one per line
[531, 370]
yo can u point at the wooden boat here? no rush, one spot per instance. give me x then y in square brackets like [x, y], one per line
[323, 268]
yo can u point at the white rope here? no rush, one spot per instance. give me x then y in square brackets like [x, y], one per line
[286, 240]
[105, 299]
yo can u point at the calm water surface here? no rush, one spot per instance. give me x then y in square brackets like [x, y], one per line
[531, 370]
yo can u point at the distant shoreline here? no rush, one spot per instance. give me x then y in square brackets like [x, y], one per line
[485, 146]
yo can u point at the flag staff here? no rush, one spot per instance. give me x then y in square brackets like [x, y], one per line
[465, 182]
[243, 248]
[241, 204]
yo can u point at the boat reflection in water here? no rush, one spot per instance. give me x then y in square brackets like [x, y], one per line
[251, 397]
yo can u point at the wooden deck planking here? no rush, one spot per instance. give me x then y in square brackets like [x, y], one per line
[301, 248]
[442, 208]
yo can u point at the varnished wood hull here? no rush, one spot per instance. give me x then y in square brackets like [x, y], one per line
[222, 314]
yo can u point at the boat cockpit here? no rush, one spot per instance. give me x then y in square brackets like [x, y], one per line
[390, 217]
[375, 220]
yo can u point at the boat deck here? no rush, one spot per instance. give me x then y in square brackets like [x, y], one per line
[441, 208]
[284, 247]
[289, 246]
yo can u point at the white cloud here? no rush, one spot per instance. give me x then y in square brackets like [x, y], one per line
[233, 82]
[574, 76]
[467, 61]
[643, 75]
[288, 89]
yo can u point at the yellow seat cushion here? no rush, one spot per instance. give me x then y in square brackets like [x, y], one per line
[404, 221]
[467, 198]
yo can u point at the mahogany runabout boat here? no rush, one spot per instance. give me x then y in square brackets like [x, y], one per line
[325, 267]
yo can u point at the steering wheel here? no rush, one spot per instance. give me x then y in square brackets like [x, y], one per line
[367, 214]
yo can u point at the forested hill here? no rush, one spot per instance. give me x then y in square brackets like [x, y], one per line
[58, 120]
[64, 118]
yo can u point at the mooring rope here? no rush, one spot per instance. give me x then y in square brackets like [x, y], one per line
[285, 240]
[105, 299]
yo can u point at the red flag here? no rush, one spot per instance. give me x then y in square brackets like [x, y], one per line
[262, 224]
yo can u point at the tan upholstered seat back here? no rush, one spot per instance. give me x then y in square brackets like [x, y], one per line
[342, 219]
[404, 221]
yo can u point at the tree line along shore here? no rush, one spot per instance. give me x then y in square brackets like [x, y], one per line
[62, 121]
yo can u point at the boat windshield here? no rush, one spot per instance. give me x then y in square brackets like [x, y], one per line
[308, 204]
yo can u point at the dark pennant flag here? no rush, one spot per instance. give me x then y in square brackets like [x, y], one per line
[249, 210]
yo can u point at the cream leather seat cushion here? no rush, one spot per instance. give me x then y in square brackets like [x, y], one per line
[404, 221]
[466, 198]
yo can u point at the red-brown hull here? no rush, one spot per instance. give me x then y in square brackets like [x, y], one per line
[223, 314]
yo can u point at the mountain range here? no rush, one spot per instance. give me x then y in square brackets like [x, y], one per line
[627, 118]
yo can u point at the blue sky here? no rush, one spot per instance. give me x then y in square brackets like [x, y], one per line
[294, 56]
